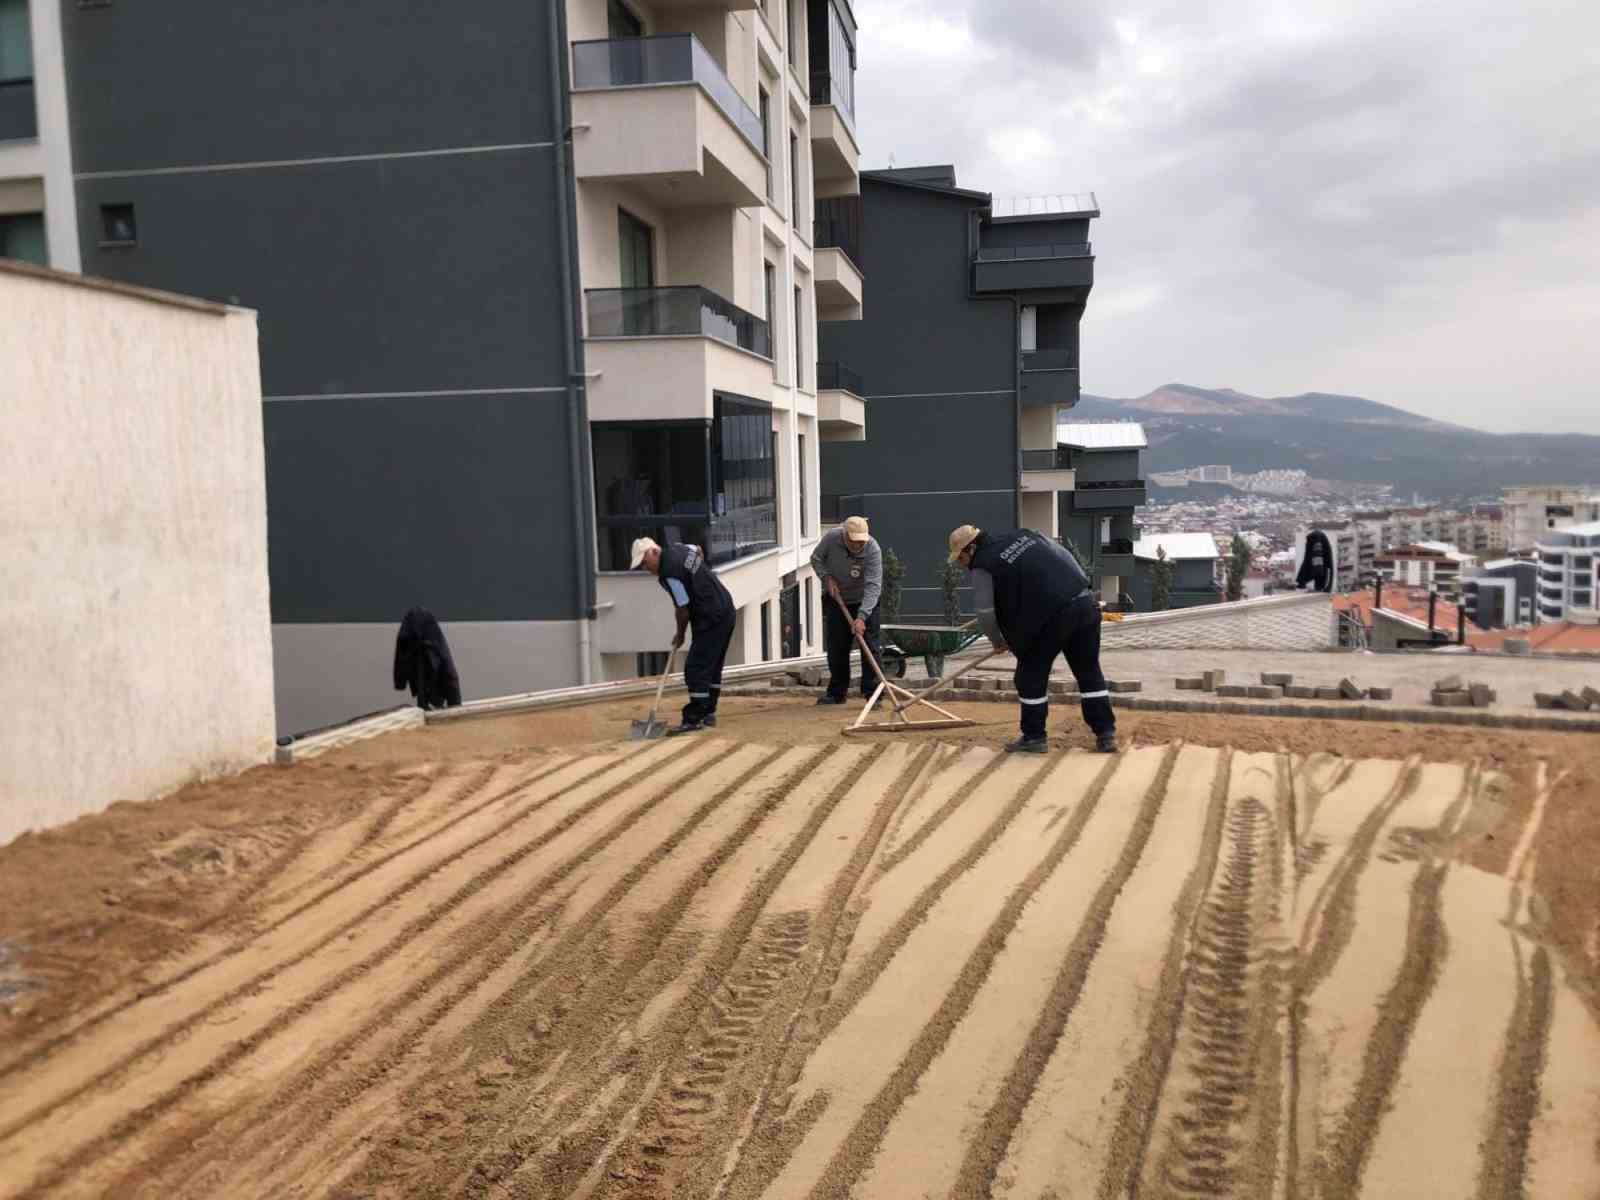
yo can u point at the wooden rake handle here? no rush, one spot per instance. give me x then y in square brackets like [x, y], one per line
[914, 697]
[866, 654]
[661, 685]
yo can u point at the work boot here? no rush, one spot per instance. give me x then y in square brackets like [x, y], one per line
[1029, 745]
[827, 699]
[1105, 743]
[686, 727]
[709, 721]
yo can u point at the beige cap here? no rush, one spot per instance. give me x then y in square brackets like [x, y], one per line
[640, 546]
[960, 538]
[855, 528]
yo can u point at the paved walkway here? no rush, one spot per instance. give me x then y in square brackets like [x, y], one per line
[1412, 676]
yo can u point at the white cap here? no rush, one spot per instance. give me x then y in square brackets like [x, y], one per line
[855, 529]
[640, 546]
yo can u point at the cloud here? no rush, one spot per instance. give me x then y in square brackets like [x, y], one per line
[1337, 195]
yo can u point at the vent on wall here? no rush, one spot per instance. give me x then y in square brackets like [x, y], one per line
[117, 225]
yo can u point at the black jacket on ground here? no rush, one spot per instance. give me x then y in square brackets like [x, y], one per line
[422, 662]
[1034, 578]
[1318, 567]
[709, 600]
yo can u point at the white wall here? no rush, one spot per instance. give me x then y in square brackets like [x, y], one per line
[135, 649]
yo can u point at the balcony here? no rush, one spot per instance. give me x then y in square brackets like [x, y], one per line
[841, 412]
[1049, 377]
[18, 121]
[659, 114]
[1120, 494]
[835, 156]
[1054, 268]
[1048, 471]
[836, 260]
[665, 353]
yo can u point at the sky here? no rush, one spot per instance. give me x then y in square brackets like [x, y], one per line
[1397, 199]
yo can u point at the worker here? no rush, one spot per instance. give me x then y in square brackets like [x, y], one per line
[1034, 599]
[850, 564]
[700, 602]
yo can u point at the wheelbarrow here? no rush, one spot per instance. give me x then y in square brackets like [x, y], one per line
[932, 642]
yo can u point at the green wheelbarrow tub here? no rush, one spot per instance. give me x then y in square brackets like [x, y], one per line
[932, 642]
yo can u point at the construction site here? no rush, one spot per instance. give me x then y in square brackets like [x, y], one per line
[521, 955]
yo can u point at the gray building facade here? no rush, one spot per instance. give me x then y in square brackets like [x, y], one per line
[488, 247]
[966, 354]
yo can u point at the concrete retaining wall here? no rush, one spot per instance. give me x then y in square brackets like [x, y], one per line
[135, 648]
[1301, 621]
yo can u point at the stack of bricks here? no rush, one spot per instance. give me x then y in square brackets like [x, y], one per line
[1454, 692]
[1569, 700]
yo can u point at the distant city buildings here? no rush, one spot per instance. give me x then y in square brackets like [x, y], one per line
[1531, 512]
[1433, 566]
[1569, 580]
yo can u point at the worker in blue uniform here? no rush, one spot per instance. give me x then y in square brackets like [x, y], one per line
[1034, 599]
[702, 604]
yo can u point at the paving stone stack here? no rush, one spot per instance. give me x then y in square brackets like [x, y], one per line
[1454, 692]
[1568, 700]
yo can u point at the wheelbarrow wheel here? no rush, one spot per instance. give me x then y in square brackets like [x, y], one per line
[897, 668]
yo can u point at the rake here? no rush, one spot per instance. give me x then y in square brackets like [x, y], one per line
[900, 698]
[650, 727]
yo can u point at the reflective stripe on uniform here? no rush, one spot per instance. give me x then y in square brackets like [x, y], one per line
[1094, 695]
[1045, 699]
[699, 695]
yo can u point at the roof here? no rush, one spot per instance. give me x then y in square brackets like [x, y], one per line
[1553, 637]
[1587, 528]
[941, 180]
[1177, 545]
[1408, 602]
[1102, 435]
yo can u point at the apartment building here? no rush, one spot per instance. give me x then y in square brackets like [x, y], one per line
[1096, 515]
[1531, 512]
[38, 220]
[967, 354]
[1432, 566]
[1569, 574]
[557, 290]
[1502, 593]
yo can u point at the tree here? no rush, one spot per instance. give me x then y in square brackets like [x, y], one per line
[1238, 567]
[1161, 581]
[951, 583]
[893, 572]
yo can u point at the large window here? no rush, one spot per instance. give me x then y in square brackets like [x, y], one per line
[805, 523]
[22, 237]
[799, 339]
[841, 91]
[766, 140]
[622, 21]
[794, 180]
[16, 42]
[710, 485]
[636, 251]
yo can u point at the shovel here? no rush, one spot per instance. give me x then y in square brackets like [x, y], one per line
[649, 728]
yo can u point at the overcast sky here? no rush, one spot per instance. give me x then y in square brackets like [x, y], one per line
[1388, 198]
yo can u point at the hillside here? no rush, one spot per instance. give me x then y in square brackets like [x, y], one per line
[1342, 437]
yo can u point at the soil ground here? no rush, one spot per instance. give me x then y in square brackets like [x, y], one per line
[522, 956]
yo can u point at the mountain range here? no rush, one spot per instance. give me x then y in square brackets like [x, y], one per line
[1346, 438]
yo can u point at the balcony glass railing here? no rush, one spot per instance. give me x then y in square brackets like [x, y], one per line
[665, 59]
[675, 312]
[18, 121]
[838, 224]
[1059, 459]
[1049, 360]
[1058, 250]
[832, 377]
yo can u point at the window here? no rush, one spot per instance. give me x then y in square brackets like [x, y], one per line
[807, 615]
[622, 21]
[799, 339]
[835, 82]
[766, 139]
[16, 43]
[805, 522]
[636, 251]
[766, 631]
[794, 180]
[1028, 328]
[797, 27]
[1582, 562]
[650, 663]
[650, 481]
[117, 225]
[771, 273]
[778, 510]
[22, 237]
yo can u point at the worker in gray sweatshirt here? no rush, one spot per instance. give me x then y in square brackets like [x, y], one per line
[850, 564]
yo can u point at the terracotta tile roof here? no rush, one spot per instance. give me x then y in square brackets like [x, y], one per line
[1553, 637]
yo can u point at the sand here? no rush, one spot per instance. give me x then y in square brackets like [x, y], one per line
[521, 957]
